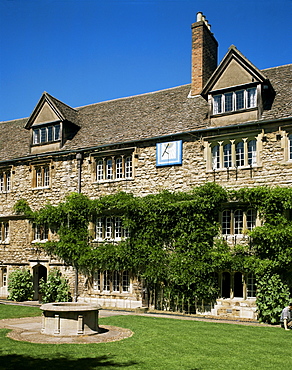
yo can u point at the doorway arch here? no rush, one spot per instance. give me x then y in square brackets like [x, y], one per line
[39, 272]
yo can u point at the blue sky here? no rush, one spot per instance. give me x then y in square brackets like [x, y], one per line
[86, 51]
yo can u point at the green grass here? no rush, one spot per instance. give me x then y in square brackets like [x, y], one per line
[158, 343]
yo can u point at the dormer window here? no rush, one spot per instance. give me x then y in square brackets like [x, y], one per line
[235, 100]
[46, 134]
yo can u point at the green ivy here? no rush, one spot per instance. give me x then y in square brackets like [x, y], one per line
[175, 243]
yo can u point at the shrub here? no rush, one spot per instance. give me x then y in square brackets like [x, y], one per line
[20, 285]
[56, 289]
[272, 297]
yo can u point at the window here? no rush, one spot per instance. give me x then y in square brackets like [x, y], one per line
[251, 286]
[215, 157]
[234, 222]
[111, 281]
[106, 280]
[251, 216]
[5, 180]
[114, 168]
[41, 233]
[4, 277]
[235, 100]
[252, 152]
[234, 153]
[290, 147]
[4, 232]
[116, 281]
[226, 222]
[238, 221]
[239, 148]
[41, 178]
[46, 134]
[110, 228]
[227, 155]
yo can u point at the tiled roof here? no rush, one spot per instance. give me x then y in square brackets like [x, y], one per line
[140, 117]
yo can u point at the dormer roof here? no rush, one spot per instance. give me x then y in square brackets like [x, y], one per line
[50, 109]
[234, 70]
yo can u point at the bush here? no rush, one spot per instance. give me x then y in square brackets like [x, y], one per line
[56, 289]
[20, 285]
[272, 297]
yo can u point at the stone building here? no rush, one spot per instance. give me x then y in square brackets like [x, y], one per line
[231, 125]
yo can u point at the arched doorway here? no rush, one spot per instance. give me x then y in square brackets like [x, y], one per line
[39, 271]
[238, 285]
[226, 285]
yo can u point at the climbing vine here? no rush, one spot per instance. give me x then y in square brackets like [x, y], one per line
[175, 245]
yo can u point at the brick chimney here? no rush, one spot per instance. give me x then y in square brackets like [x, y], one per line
[204, 53]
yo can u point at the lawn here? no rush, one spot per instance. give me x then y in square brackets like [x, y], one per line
[157, 343]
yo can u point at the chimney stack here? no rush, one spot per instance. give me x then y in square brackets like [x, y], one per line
[204, 53]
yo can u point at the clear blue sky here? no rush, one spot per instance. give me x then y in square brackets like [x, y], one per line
[86, 51]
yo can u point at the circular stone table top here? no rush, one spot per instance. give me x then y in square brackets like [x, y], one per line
[69, 307]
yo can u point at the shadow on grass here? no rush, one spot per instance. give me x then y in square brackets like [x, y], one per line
[14, 362]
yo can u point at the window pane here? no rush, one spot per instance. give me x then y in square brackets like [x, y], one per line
[116, 281]
[39, 181]
[251, 98]
[217, 104]
[226, 221]
[8, 181]
[46, 176]
[109, 169]
[57, 132]
[251, 286]
[125, 281]
[238, 222]
[239, 148]
[227, 155]
[215, 157]
[128, 166]
[98, 229]
[6, 231]
[239, 99]
[43, 134]
[96, 280]
[251, 219]
[1, 181]
[36, 136]
[99, 170]
[252, 152]
[106, 280]
[118, 228]
[108, 228]
[290, 146]
[228, 102]
[119, 168]
[50, 133]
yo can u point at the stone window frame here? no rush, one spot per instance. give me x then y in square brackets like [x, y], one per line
[40, 233]
[4, 232]
[218, 158]
[227, 102]
[6, 175]
[238, 221]
[3, 277]
[41, 174]
[109, 229]
[113, 165]
[41, 133]
[112, 281]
